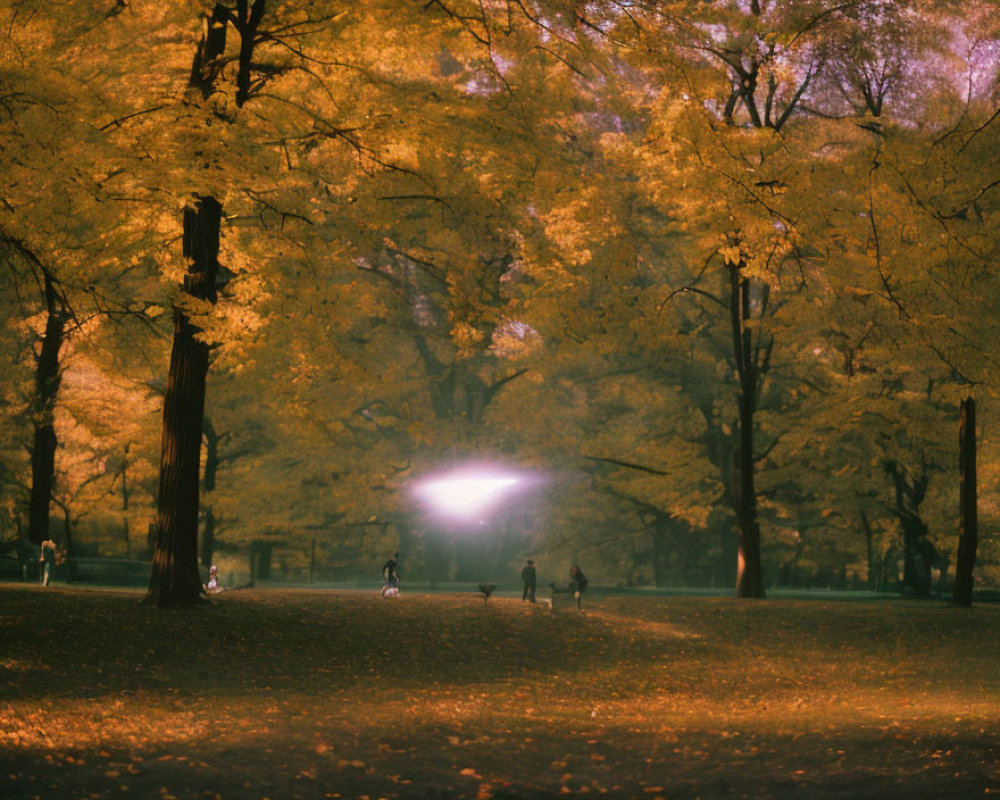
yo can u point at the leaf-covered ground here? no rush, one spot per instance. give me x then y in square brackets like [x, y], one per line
[341, 694]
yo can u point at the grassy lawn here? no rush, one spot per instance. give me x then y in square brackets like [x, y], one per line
[286, 694]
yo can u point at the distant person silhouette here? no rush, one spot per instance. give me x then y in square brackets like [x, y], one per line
[390, 577]
[48, 558]
[577, 584]
[528, 579]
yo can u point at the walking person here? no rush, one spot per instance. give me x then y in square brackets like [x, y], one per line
[577, 583]
[528, 579]
[47, 559]
[390, 577]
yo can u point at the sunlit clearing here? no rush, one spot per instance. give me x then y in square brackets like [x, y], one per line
[466, 494]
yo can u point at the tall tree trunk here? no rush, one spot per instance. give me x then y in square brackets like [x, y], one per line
[919, 555]
[248, 17]
[260, 560]
[208, 538]
[866, 526]
[968, 526]
[440, 379]
[175, 577]
[660, 537]
[125, 498]
[47, 380]
[208, 58]
[212, 443]
[749, 577]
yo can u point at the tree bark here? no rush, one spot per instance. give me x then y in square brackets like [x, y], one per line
[212, 47]
[208, 538]
[872, 578]
[248, 19]
[212, 443]
[968, 526]
[175, 577]
[125, 498]
[749, 577]
[47, 380]
[441, 380]
[260, 560]
[919, 554]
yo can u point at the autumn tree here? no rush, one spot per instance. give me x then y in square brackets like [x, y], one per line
[44, 394]
[727, 146]
[175, 576]
[84, 274]
[912, 256]
[713, 264]
[66, 312]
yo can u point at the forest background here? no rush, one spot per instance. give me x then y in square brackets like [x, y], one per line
[720, 272]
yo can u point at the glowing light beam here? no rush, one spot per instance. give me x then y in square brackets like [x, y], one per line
[466, 494]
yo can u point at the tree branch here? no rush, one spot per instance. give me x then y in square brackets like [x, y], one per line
[627, 464]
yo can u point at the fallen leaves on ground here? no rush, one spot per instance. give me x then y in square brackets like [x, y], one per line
[310, 694]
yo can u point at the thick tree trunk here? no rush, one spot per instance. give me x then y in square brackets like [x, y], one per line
[43, 450]
[175, 577]
[208, 58]
[749, 577]
[749, 574]
[441, 380]
[212, 443]
[260, 560]
[67, 529]
[248, 17]
[968, 526]
[208, 538]
[919, 554]
[43, 458]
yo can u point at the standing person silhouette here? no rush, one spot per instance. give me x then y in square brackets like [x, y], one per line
[47, 559]
[528, 579]
[577, 583]
[390, 576]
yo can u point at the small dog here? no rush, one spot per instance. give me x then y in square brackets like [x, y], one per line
[487, 589]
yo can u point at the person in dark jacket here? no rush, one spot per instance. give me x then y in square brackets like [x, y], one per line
[528, 579]
[390, 587]
[577, 583]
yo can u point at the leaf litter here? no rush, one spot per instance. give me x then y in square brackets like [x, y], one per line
[310, 694]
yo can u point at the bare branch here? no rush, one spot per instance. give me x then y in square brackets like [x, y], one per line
[692, 290]
[117, 123]
[627, 464]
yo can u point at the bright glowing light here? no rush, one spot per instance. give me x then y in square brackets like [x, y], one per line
[464, 497]
[467, 493]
